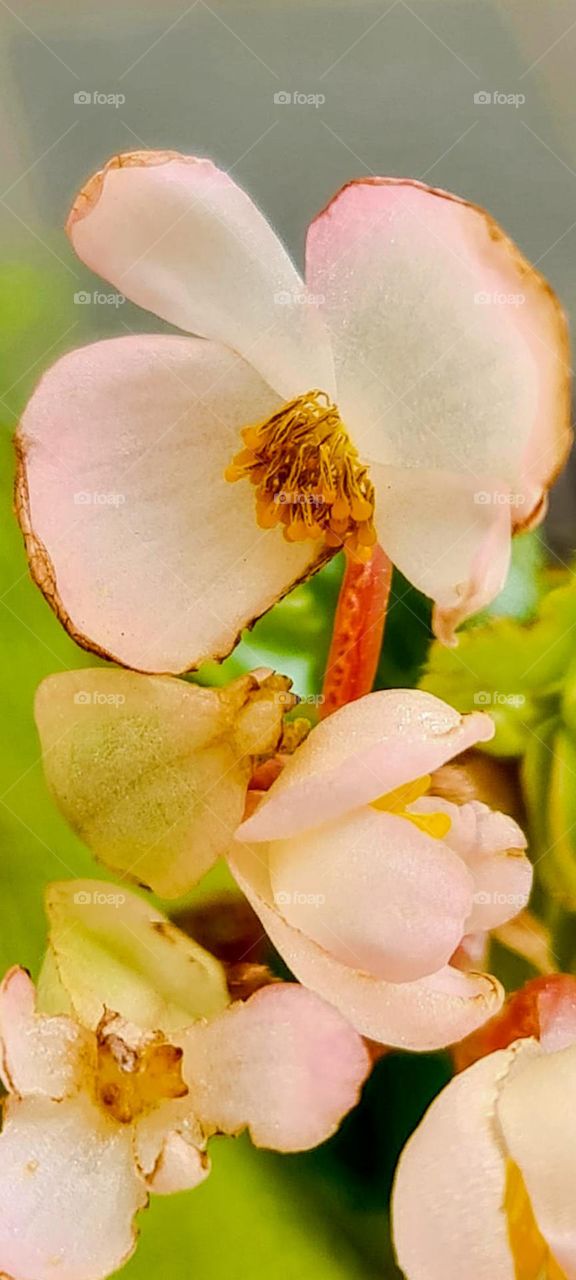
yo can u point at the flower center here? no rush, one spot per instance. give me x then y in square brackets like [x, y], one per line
[308, 476]
[130, 1081]
[436, 825]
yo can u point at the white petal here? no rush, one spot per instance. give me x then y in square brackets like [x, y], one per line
[68, 1191]
[448, 1199]
[178, 237]
[538, 1117]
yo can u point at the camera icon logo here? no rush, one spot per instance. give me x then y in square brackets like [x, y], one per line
[282, 98]
[82, 898]
[82, 698]
[82, 298]
[82, 98]
[482, 98]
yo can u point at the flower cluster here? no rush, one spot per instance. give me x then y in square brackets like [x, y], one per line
[402, 423]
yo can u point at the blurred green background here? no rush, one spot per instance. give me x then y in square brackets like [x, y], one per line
[399, 82]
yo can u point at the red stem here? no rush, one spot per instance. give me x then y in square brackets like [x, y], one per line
[358, 630]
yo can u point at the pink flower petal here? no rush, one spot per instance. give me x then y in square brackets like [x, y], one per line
[449, 534]
[492, 846]
[143, 549]
[463, 344]
[447, 1207]
[38, 1055]
[557, 1012]
[375, 892]
[363, 750]
[427, 1014]
[284, 1064]
[177, 236]
[68, 1191]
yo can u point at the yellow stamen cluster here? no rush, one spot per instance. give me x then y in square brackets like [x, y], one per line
[130, 1081]
[308, 476]
[433, 824]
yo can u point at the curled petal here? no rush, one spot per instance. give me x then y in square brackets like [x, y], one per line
[448, 1199]
[464, 345]
[363, 750]
[284, 1064]
[427, 1014]
[143, 549]
[38, 1055]
[375, 892]
[493, 848]
[68, 1191]
[181, 1167]
[179, 237]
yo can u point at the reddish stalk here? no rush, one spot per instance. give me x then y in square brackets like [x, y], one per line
[358, 630]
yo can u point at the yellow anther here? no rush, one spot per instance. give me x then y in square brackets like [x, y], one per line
[530, 1252]
[308, 476]
[130, 1081]
[436, 825]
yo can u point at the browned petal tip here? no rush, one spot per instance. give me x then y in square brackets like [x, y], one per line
[89, 195]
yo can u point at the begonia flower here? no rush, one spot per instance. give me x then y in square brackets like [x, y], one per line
[367, 883]
[485, 1186]
[101, 1110]
[414, 391]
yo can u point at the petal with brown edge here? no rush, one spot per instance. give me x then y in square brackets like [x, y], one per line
[143, 549]
[69, 1191]
[464, 352]
[427, 1014]
[284, 1064]
[365, 749]
[180, 238]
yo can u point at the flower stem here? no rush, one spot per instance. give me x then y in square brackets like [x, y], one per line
[358, 630]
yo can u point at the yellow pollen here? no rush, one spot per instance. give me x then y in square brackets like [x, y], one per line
[532, 1257]
[436, 825]
[308, 476]
[131, 1081]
